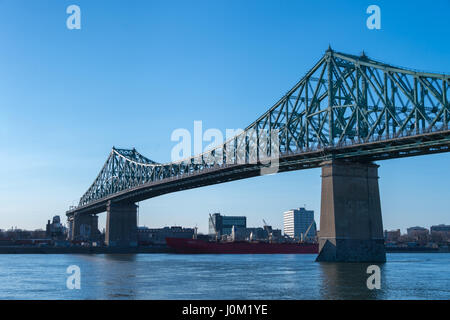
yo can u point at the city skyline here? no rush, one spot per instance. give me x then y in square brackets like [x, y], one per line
[58, 144]
[102, 227]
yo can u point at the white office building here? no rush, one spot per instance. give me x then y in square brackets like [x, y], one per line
[297, 222]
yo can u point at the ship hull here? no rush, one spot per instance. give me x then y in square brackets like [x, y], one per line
[190, 246]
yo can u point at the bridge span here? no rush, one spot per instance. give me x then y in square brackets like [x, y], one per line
[346, 113]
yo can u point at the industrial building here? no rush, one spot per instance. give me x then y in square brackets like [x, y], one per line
[149, 236]
[440, 233]
[392, 235]
[417, 233]
[440, 228]
[298, 223]
[250, 234]
[224, 224]
[55, 229]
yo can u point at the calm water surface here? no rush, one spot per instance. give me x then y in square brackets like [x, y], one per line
[169, 276]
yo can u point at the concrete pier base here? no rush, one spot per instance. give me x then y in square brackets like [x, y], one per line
[121, 224]
[84, 227]
[351, 227]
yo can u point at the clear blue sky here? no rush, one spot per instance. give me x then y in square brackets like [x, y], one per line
[137, 70]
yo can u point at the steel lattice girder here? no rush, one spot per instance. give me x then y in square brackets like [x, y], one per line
[344, 102]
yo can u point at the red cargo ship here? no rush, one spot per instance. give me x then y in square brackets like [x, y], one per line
[183, 245]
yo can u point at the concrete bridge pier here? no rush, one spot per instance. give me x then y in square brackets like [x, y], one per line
[83, 227]
[121, 224]
[351, 227]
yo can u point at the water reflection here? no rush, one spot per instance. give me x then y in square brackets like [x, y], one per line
[348, 281]
[121, 257]
[118, 276]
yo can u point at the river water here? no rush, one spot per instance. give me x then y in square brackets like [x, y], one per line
[171, 276]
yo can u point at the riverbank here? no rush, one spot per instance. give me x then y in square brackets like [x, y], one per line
[158, 249]
[416, 250]
[81, 250]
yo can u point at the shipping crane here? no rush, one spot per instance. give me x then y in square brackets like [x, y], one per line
[303, 237]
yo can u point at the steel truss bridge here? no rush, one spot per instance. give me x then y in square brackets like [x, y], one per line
[346, 107]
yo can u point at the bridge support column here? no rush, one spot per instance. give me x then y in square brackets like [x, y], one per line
[84, 227]
[351, 228]
[121, 224]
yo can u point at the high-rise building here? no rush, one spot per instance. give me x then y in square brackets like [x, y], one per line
[224, 224]
[296, 223]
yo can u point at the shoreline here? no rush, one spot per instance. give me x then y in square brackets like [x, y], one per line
[151, 249]
[82, 250]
